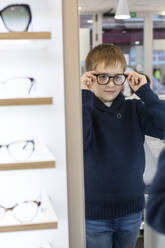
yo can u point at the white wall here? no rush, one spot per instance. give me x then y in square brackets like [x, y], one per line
[44, 60]
[153, 239]
[84, 43]
[159, 44]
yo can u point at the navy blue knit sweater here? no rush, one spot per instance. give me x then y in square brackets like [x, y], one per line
[155, 214]
[114, 157]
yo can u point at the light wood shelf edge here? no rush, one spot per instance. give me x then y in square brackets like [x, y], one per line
[28, 227]
[26, 101]
[28, 165]
[25, 35]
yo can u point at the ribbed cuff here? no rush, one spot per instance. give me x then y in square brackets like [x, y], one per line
[147, 95]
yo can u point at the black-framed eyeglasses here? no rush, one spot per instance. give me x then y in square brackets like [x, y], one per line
[16, 17]
[20, 84]
[23, 212]
[20, 150]
[104, 78]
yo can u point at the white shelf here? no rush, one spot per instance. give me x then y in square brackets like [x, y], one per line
[46, 219]
[41, 158]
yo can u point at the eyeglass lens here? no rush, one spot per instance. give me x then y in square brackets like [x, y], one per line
[104, 79]
[25, 211]
[21, 151]
[16, 17]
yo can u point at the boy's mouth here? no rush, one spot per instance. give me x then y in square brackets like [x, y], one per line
[109, 91]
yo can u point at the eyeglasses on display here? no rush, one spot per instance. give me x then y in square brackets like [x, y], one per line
[23, 212]
[16, 17]
[20, 150]
[17, 85]
[104, 78]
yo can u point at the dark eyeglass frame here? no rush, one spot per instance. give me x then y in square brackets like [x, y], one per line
[15, 5]
[109, 77]
[18, 141]
[27, 141]
[31, 79]
[11, 208]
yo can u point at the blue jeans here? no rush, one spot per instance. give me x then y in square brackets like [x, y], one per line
[113, 233]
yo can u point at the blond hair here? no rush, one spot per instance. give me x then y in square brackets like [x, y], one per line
[106, 53]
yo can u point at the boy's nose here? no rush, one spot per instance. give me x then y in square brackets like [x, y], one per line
[111, 83]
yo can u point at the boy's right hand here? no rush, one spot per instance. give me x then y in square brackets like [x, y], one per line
[87, 80]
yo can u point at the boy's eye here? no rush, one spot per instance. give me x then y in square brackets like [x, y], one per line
[118, 77]
[103, 77]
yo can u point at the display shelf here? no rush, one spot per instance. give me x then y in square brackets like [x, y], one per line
[41, 158]
[26, 101]
[25, 36]
[46, 219]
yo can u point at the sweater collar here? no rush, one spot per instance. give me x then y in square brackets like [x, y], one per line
[108, 104]
[117, 102]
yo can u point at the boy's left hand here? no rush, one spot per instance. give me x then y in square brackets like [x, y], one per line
[136, 80]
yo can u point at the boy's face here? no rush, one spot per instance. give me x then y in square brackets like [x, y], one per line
[109, 92]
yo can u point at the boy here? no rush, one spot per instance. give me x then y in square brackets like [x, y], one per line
[155, 210]
[113, 135]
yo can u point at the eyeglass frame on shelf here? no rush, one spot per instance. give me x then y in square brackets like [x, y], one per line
[32, 81]
[17, 204]
[13, 5]
[18, 141]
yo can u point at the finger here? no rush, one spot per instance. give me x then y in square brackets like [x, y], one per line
[91, 76]
[87, 83]
[129, 76]
[132, 80]
[126, 74]
[85, 78]
[92, 72]
[88, 79]
[136, 79]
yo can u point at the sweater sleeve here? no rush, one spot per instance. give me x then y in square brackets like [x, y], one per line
[87, 108]
[151, 111]
[155, 208]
